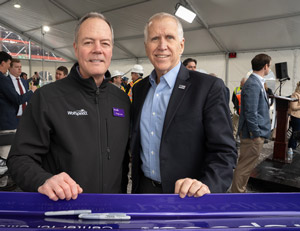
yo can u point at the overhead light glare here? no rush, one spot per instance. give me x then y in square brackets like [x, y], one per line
[185, 14]
[46, 28]
[17, 5]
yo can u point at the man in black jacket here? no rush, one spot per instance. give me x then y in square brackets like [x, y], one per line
[74, 133]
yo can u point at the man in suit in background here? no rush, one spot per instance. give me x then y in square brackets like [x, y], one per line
[21, 86]
[182, 138]
[254, 122]
[10, 99]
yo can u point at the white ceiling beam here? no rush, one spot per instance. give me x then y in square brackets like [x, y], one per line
[4, 2]
[64, 9]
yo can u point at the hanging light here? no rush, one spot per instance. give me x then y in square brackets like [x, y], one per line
[184, 13]
[45, 29]
[17, 4]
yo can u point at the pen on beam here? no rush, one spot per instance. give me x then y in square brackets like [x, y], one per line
[67, 212]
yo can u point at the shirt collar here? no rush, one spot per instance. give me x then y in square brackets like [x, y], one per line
[12, 76]
[261, 79]
[170, 77]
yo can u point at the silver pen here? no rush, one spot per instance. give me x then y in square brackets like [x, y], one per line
[67, 212]
[105, 216]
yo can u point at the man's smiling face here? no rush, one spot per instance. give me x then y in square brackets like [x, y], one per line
[163, 46]
[93, 48]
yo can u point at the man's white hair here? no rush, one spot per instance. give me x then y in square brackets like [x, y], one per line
[163, 15]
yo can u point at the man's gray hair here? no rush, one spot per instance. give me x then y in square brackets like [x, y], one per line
[164, 15]
[92, 15]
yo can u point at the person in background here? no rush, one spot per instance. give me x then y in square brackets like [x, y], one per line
[116, 79]
[36, 79]
[74, 134]
[136, 76]
[24, 76]
[294, 111]
[190, 64]
[182, 138]
[254, 122]
[236, 100]
[21, 86]
[61, 72]
[124, 82]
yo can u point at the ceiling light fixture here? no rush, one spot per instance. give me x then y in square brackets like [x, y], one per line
[45, 29]
[184, 13]
[17, 5]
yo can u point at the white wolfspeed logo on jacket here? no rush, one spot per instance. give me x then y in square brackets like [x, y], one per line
[81, 112]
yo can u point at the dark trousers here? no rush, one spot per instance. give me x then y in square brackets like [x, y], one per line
[295, 123]
[147, 185]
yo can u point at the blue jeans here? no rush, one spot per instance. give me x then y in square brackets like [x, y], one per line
[295, 123]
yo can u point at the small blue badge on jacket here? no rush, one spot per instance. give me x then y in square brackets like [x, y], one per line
[118, 112]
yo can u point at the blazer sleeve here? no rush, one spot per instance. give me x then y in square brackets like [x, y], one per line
[251, 97]
[12, 95]
[221, 154]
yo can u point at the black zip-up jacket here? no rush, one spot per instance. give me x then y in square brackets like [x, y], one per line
[75, 127]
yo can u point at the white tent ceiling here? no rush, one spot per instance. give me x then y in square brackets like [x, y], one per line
[221, 26]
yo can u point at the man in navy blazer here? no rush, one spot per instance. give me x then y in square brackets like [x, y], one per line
[254, 122]
[10, 100]
[15, 71]
[182, 138]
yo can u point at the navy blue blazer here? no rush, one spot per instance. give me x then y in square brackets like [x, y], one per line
[197, 140]
[254, 118]
[10, 101]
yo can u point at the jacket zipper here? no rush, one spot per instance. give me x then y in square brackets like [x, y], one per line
[107, 146]
[99, 138]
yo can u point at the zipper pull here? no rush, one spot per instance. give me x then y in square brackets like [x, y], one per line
[108, 153]
[97, 96]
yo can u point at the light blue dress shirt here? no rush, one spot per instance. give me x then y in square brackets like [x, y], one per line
[152, 121]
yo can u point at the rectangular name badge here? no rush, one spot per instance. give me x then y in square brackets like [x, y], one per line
[118, 112]
[181, 87]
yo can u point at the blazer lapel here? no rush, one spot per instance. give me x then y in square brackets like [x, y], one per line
[180, 88]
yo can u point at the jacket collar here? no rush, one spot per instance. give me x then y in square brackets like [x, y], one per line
[88, 84]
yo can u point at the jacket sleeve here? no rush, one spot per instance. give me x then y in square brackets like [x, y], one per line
[30, 146]
[251, 97]
[11, 94]
[221, 155]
